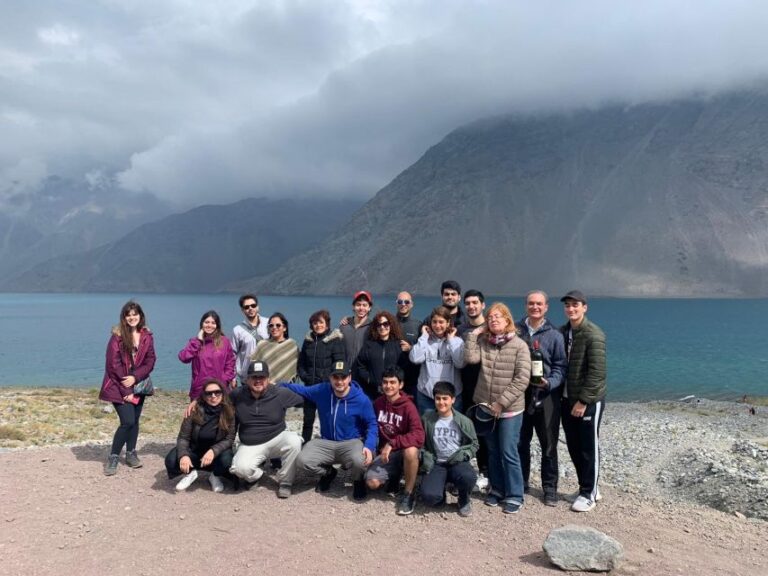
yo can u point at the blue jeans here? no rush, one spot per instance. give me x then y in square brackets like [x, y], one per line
[504, 470]
[424, 403]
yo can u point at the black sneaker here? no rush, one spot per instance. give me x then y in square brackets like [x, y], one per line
[276, 463]
[393, 486]
[110, 468]
[550, 498]
[359, 490]
[407, 504]
[132, 459]
[324, 484]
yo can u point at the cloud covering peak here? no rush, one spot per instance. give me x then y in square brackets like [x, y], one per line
[215, 101]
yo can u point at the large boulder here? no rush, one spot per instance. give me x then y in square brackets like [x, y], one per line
[574, 547]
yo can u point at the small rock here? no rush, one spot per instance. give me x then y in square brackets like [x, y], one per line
[651, 550]
[575, 547]
[739, 515]
[107, 409]
[182, 516]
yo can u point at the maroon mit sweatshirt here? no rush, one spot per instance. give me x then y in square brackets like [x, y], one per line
[399, 422]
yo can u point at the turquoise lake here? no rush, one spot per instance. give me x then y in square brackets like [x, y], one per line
[657, 349]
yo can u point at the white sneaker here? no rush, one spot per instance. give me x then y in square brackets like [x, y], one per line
[582, 504]
[186, 482]
[573, 497]
[216, 483]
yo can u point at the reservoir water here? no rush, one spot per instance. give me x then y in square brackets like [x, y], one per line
[657, 349]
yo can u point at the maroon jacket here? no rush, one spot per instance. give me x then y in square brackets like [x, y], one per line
[118, 366]
[399, 423]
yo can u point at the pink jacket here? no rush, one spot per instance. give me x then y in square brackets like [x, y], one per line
[208, 362]
[118, 366]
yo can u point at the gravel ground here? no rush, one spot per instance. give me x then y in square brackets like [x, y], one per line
[664, 469]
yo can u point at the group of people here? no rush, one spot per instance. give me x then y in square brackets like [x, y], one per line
[405, 405]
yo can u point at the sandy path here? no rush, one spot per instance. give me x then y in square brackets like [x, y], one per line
[60, 515]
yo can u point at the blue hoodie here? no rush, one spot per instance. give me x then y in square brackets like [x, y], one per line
[348, 418]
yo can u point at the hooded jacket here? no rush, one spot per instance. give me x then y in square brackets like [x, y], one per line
[318, 354]
[440, 360]
[348, 418]
[399, 423]
[118, 365]
[208, 361]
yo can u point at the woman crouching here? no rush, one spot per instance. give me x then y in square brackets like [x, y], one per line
[205, 439]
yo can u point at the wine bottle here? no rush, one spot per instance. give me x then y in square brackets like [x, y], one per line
[537, 364]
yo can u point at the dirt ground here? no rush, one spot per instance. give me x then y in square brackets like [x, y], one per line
[60, 515]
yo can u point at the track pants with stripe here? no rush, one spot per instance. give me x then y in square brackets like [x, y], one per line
[582, 435]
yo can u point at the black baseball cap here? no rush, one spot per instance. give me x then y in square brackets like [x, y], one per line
[576, 295]
[258, 368]
[341, 368]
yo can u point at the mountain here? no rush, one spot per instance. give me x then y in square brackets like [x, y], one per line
[202, 250]
[66, 216]
[648, 200]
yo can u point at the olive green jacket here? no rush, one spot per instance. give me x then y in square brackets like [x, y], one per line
[585, 379]
[469, 443]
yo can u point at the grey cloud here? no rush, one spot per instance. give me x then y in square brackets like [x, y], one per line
[297, 98]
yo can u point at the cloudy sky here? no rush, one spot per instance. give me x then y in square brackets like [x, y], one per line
[199, 101]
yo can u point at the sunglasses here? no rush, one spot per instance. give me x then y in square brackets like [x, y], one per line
[210, 393]
[402, 302]
[274, 325]
[250, 306]
[382, 325]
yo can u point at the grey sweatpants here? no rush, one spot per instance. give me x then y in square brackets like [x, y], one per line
[319, 455]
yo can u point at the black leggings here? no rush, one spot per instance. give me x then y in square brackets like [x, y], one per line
[128, 431]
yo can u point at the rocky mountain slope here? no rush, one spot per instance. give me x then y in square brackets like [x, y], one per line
[648, 200]
[201, 250]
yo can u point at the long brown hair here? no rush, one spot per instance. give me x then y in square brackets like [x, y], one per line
[227, 416]
[216, 333]
[395, 333]
[126, 336]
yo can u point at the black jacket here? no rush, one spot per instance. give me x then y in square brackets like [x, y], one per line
[374, 358]
[318, 354]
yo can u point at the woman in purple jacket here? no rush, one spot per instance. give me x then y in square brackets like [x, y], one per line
[210, 353]
[130, 359]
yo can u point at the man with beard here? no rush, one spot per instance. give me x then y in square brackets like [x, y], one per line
[245, 335]
[411, 329]
[450, 292]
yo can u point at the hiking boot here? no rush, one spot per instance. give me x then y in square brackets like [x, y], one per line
[359, 490]
[324, 484]
[132, 459]
[465, 508]
[110, 468]
[186, 481]
[284, 491]
[511, 507]
[407, 504]
[550, 498]
[582, 504]
[216, 483]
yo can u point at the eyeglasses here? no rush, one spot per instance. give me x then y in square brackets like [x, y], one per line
[382, 325]
[270, 326]
[210, 393]
[250, 306]
[402, 302]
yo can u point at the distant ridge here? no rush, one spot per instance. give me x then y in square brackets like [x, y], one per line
[648, 200]
[202, 250]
